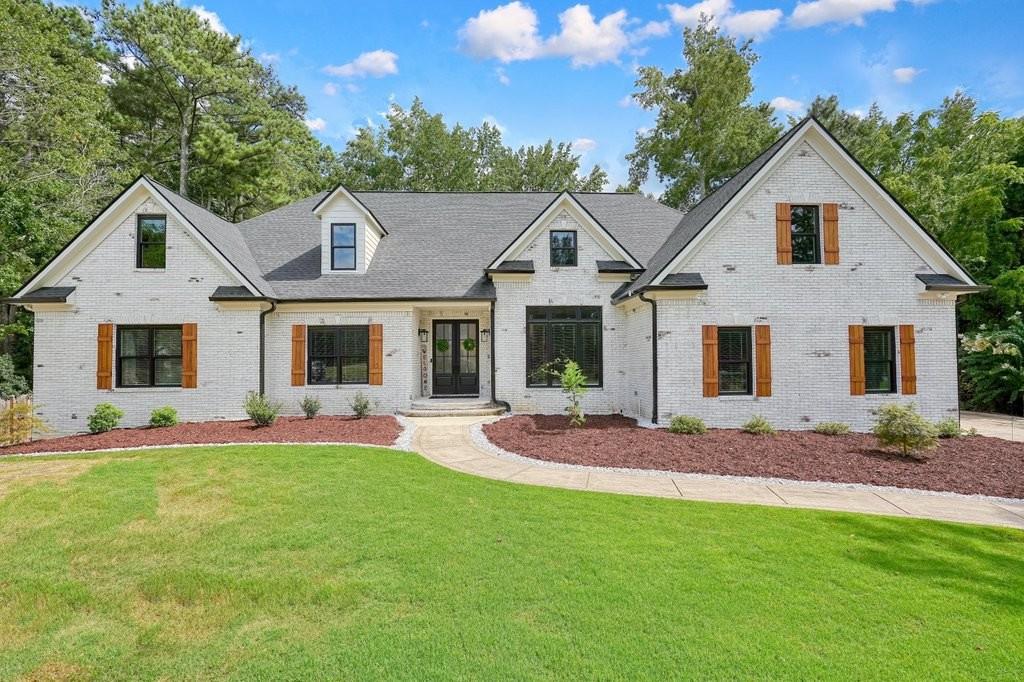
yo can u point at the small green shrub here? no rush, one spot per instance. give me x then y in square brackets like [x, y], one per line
[310, 406]
[758, 425]
[693, 426]
[948, 428]
[104, 418]
[574, 386]
[163, 416]
[261, 410]
[832, 428]
[902, 427]
[361, 405]
[18, 421]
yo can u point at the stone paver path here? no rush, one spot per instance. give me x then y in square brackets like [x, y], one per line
[447, 441]
[995, 425]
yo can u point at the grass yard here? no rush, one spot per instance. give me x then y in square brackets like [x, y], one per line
[304, 562]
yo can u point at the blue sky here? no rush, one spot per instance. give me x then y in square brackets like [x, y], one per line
[554, 69]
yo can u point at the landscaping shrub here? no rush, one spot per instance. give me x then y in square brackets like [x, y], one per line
[163, 416]
[758, 425]
[12, 384]
[310, 406]
[832, 428]
[574, 386]
[902, 427]
[104, 418]
[361, 406]
[950, 428]
[689, 425]
[260, 409]
[18, 421]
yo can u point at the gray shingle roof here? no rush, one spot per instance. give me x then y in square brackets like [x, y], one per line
[514, 266]
[614, 266]
[698, 217]
[947, 283]
[45, 295]
[438, 243]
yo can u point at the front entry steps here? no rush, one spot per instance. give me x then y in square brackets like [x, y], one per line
[452, 407]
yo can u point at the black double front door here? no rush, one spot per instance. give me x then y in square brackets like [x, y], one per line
[456, 358]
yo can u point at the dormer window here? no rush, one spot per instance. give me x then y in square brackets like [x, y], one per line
[343, 246]
[563, 248]
[151, 242]
[806, 235]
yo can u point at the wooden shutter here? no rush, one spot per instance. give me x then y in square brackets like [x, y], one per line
[763, 341]
[831, 234]
[376, 354]
[709, 336]
[858, 384]
[783, 234]
[189, 355]
[298, 355]
[908, 360]
[105, 357]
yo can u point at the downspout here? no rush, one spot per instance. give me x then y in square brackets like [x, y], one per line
[654, 356]
[263, 343]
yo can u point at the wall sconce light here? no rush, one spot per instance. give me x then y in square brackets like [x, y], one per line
[485, 335]
[423, 335]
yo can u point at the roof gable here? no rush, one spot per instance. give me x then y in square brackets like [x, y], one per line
[342, 191]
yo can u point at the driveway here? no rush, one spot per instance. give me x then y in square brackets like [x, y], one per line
[995, 425]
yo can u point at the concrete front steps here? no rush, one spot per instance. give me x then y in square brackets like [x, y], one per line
[452, 407]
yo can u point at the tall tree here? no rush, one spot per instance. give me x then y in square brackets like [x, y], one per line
[416, 150]
[706, 128]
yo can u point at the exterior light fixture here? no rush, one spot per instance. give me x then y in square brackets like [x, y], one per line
[423, 335]
[485, 334]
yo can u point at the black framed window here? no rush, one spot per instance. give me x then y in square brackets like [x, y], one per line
[151, 242]
[148, 356]
[343, 246]
[556, 334]
[339, 355]
[806, 234]
[880, 359]
[563, 248]
[734, 361]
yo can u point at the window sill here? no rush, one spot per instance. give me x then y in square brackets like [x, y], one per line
[147, 389]
[559, 388]
[730, 397]
[329, 387]
[150, 269]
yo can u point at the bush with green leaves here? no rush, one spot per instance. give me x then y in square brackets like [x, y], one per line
[900, 426]
[693, 426]
[163, 416]
[261, 410]
[19, 421]
[832, 428]
[992, 366]
[950, 428]
[759, 426]
[361, 405]
[573, 382]
[12, 384]
[104, 418]
[310, 406]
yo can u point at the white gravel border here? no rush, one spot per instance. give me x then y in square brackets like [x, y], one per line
[480, 440]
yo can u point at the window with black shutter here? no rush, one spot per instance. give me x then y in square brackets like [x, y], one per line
[734, 365]
[555, 334]
[806, 235]
[880, 359]
[339, 355]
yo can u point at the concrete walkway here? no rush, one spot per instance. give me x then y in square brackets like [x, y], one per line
[996, 425]
[448, 441]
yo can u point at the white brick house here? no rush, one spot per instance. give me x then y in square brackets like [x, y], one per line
[800, 290]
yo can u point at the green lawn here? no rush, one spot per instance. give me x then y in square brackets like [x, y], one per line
[342, 562]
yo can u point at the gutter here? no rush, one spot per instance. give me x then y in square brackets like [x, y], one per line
[263, 343]
[654, 356]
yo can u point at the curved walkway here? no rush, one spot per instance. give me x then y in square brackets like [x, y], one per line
[449, 442]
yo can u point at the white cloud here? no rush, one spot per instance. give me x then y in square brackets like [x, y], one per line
[376, 64]
[503, 78]
[787, 104]
[626, 101]
[330, 89]
[753, 24]
[352, 87]
[510, 33]
[817, 12]
[269, 57]
[316, 124]
[584, 145]
[905, 74]
[211, 18]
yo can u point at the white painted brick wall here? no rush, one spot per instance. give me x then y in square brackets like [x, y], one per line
[110, 289]
[809, 309]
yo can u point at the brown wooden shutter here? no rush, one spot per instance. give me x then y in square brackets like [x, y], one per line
[298, 355]
[189, 355]
[376, 354]
[763, 341]
[831, 234]
[908, 360]
[857, 381]
[783, 234]
[105, 357]
[709, 335]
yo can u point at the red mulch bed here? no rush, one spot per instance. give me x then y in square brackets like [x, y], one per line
[970, 465]
[381, 430]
